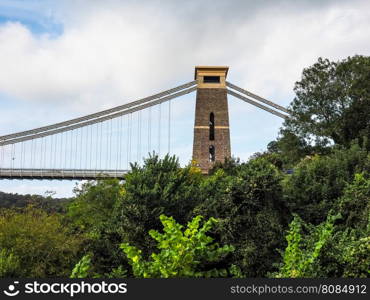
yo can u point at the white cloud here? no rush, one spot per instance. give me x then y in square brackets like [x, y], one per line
[294, 40]
[120, 51]
[124, 51]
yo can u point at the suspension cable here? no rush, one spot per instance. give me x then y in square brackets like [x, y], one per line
[245, 92]
[110, 144]
[81, 146]
[138, 137]
[61, 151]
[149, 129]
[105, 118]
[274, 112]
[98, 114]
[159, 129]
[130, 139]
[169, 126]
[127, 141]
[31, 161]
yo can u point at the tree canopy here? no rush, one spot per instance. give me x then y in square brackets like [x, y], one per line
[332, 102]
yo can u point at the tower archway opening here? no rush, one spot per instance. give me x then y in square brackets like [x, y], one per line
[212, 153]
[211, 126]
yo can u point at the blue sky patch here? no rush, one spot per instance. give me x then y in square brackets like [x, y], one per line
[35, 20]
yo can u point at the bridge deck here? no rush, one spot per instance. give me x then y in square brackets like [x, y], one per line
[70, 174]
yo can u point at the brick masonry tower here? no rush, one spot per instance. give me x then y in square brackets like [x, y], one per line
[211, 128]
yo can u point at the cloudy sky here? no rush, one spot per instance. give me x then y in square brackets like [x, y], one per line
[63, 59]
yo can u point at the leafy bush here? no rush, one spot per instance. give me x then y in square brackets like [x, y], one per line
[354, 205]
[356, 258]
[160, 186]
[301, 256]
[82, 268]
[249, 205]
[85, 269]
[41, 242]
[94, 204]
[110, 212]
[93, 213]
[318, 181]
[182, 254]
[347, 253]
[9, 264]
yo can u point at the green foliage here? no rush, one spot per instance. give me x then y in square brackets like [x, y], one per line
[9, 264]
[251, 213]
[110, 212]
[332, 101]
[118, 272]
[92, 213]
[181, 254]
[81, 269]
[158, 187]
[354, 205]
[347, 253]
[319, 181]
[356, 258]
[47, 202]
[84, 269]
[288, 148]
[229, 166]
[252, 202]
[94, 204]
[301, 259]
[41, 242]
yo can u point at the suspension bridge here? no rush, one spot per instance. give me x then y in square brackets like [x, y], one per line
[103, 144]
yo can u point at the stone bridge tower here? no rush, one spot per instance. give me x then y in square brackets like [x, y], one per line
[211, 128]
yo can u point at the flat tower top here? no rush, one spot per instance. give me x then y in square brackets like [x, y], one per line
[210, 70]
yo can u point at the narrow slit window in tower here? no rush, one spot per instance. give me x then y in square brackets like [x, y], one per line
[211, 79]
[212, 153]
[212, 126]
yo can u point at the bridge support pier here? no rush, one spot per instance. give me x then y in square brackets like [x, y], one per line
[211, 129]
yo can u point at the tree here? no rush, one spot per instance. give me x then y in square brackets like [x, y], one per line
[318, 181]
[94, 204]
[158, 187]
[289, 148]
[181, 253]
[92, 213]
[109, 211]
[347, 253]
[41, 243]
[332, 101]
[251, 214]
[47, 202]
